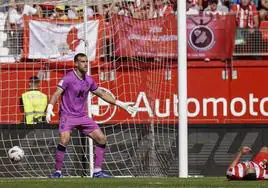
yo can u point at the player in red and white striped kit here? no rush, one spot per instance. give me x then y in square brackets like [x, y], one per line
[256, 169]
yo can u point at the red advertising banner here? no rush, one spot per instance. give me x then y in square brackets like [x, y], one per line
[208, 37]
[145, 38]
[211, 99]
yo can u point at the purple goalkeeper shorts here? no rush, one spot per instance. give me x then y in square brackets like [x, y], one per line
[84, 124]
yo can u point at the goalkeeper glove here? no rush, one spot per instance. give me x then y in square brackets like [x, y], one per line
[130, 109]
[49, 112]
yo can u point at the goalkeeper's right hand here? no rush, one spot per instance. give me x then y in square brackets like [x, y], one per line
[49, 112]
[130, 109]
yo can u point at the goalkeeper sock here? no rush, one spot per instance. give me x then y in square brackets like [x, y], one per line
[99, 153]
[60, 156]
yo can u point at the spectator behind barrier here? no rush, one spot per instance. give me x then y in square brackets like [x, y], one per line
[47, 10]
[77, 12]
[226, 3]
[246, 14]
[59, 13]
[145, 10]
[15, 25]
[264, 10]
[192, 8]
[126, 8]
[162, 8]
[203, 4]
[215, 8]
[17, 11]
[4, 6]
[248, 34]
[106, 10]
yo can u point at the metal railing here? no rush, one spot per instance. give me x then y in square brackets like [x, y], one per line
[251, 42]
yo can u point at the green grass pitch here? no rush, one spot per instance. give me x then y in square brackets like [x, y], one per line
[214, 182]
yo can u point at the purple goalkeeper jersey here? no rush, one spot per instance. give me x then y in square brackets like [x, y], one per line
[74, 97]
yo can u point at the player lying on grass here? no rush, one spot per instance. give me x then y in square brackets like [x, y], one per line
[255, 169]
[73, 89]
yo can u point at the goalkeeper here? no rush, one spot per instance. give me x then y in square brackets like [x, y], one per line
[73, 89]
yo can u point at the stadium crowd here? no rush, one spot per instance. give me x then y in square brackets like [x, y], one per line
[141, 9]
[249, 13]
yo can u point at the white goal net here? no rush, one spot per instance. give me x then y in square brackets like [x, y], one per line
[130, 57]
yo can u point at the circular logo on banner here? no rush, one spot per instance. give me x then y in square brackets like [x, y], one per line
[201, 38]
[101, 110]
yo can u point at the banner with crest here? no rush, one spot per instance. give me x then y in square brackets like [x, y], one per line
[59, 40]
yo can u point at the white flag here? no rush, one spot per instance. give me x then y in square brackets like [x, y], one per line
[49, 40]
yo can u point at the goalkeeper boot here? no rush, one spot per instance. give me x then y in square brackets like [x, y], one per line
[101, 174]
[56, 174]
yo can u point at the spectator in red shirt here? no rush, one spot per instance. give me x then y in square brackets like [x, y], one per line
[248, 35]
[264, 10]
[214, 8]
[162, 8]
[246, 14]
[145, 10]
[203, 4]
[192, 7]
[127, 8]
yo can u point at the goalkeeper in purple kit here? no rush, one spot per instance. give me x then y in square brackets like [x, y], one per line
[73, 89]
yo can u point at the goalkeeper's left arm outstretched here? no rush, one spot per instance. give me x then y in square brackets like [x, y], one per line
[110, 99]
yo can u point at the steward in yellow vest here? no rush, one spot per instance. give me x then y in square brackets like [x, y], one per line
[34, 102]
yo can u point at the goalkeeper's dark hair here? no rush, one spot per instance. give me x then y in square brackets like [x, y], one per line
[250, 176]
[79, 55]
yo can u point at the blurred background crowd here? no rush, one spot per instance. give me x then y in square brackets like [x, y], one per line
[249, 13]
[140, 9]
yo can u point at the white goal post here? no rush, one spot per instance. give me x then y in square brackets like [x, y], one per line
[182, 90]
